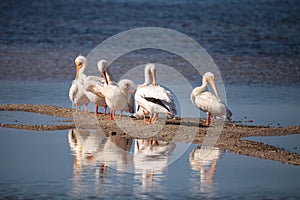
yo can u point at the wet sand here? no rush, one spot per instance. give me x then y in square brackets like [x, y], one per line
[231, 137]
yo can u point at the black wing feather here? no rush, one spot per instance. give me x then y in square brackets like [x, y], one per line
[157, 101]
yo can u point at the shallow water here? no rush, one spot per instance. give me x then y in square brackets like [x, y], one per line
[43, 165]
[16, 117]
[35, 92]
[289, 142]
[268, 106]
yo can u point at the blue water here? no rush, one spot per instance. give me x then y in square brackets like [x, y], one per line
[16, 117]
[40, 40]
[38, 165]
[268, 106]
[289, 142]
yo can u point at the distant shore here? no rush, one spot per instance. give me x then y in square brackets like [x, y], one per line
[230, 138]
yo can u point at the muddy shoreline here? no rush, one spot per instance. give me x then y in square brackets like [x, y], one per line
[231, 137]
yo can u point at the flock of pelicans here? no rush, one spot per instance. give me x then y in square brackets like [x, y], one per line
[148, 98]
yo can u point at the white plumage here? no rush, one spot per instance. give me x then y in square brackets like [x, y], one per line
[208, 102]
[76, 92]
[93, 82]
[153, 99]
[119, 96]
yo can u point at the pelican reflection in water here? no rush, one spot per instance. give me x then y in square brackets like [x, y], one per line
[94, 154]
[204, 160]
[84, 144]
[150, 160]
[91, 147]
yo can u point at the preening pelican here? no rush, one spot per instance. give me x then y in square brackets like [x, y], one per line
[153, 99]
[208, 102]
[76, 92]
[119, 96]
[94, 82]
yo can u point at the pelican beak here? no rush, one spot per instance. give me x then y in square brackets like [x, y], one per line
[108, 77]
[213, 86]
[132, 90]
[104, 73]
[78, 64]
[153, 78]
[104, 76]
[77, 70]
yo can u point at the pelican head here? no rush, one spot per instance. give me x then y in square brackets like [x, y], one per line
[209, 77]
[102, 67]
[80, 60]
[127, 85]
[80, 63]
[150, 72]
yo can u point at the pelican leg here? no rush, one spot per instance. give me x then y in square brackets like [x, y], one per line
[151, 118]
[145, 120]
[114, 117]
[105, 108]
[112, 114]
[96, 111]
[121, 114]
[208, 120]
[76, 107]
[155, 116]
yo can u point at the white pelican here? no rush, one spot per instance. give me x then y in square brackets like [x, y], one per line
[153, 99]
[119, 96]
[208, 102]
[76, 92]
[94, 81]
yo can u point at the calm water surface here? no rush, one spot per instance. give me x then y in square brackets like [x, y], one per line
[288, 142]
[84, 164]
[8, 117]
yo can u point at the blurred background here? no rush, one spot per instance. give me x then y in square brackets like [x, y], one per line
[252, 42]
